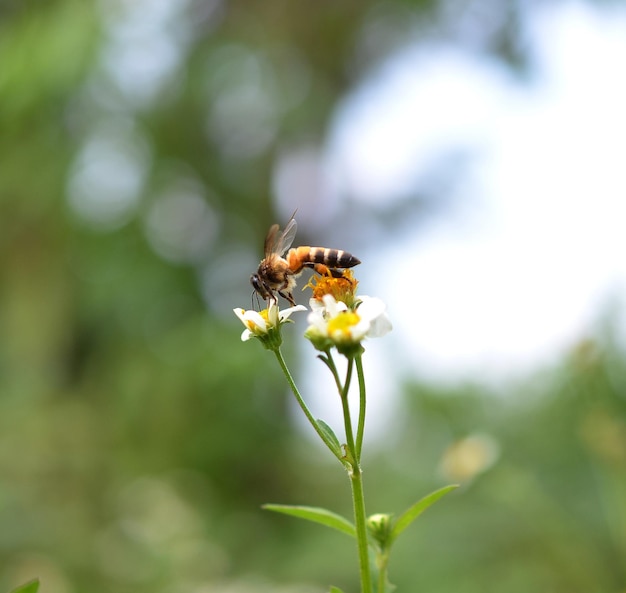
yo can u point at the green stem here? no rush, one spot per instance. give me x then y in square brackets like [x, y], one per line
[347, 420]
[358, 499]
[305, 409]
[362, 405]
[353, 452]
[330, 363]
[356, 482]
[382, 571]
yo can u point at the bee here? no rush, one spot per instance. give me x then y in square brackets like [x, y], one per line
[281, 265]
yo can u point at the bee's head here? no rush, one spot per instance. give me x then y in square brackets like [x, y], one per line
[260, 286]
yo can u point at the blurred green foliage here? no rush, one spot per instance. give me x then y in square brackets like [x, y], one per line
[138, 436]
[30, 587]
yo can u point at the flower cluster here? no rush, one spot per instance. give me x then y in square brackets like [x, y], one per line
[341, 319]
[338, 318]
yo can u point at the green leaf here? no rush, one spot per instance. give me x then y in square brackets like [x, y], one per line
[30, 587]
[417, 509]
[335, 590]
[332, 437]
[315, 514]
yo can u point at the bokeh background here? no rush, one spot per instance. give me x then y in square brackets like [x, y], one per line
[470, 152]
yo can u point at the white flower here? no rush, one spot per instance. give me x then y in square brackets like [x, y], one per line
[332, 323]
[260, 324]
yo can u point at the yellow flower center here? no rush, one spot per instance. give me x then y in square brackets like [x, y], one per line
[343, 323]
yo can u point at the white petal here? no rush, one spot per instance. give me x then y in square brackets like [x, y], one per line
[316, 320]
[380, 326]
[286, 313]
[246, 335]
[333, 308]
[316, 305]
[370, 307]
[241, 314]
[360, 330]
[273, 314]
[256, 319]
[373, 309]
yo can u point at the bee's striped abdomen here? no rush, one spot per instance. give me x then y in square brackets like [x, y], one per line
[331, 258]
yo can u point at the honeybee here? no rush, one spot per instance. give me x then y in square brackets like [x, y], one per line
[281, 265]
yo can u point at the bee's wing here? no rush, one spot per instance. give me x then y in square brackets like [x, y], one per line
[271, 240]
[288, 235]
[277, 242]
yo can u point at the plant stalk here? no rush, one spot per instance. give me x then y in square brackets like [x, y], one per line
[362, 405]
[382, 561]
[303, 406]
[347, 420]
[356, 482]
[358, 499]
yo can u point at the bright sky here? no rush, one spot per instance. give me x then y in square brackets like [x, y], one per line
[536, 247]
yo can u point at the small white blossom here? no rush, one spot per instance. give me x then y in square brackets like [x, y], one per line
[333, 323]
[259, 324]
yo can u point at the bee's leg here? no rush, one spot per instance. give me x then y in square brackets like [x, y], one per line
[287, 296]
[286, 289]
[323, 270]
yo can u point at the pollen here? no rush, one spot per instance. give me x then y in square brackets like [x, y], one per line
[342, 288]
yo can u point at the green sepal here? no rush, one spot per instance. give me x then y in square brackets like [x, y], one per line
[332, 437]
[30, 587]
[315, 514]
[319, 341]
[335, 590]
[271, 340]
[417, 509]
[350, 349]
